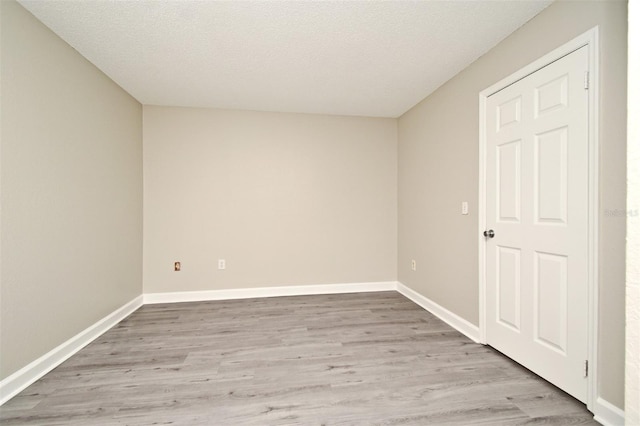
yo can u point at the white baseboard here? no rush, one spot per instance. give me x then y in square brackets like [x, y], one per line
[251, 293]
[18, 381]
[459, 323]
[607, 414]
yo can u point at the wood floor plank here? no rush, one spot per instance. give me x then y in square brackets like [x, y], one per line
[349, 359]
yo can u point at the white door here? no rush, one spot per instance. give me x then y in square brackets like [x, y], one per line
[537, 209]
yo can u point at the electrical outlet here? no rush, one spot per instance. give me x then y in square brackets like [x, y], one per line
[413, 265]
[465, 207]
[176, 266]
[222, 264]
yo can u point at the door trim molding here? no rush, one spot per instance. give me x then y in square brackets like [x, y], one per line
[589, 39]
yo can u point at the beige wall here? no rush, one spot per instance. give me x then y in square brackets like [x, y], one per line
[285, 199]
[71, 176]
[438, 169]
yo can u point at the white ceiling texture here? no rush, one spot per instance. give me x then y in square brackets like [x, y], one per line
[366, 58]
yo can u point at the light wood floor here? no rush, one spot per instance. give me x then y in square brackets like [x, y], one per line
[350, 359]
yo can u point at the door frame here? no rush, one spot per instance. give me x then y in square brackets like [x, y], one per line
[589, 39]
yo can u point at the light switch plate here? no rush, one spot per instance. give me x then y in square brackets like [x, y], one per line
[465, 207]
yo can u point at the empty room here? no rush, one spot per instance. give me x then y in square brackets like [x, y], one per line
[319, 212]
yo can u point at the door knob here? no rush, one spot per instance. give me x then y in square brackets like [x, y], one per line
[489, 233]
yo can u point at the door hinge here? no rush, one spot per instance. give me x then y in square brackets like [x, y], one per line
[586, 368]
[586, 80]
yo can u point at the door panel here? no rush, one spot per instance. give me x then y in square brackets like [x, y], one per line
[550, 301]
[551, 96]
[537, 186]
[509, 287]
[508, 169]
[550, 179]
[508, 113]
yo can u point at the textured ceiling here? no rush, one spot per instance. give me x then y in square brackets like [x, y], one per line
[369, 58]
